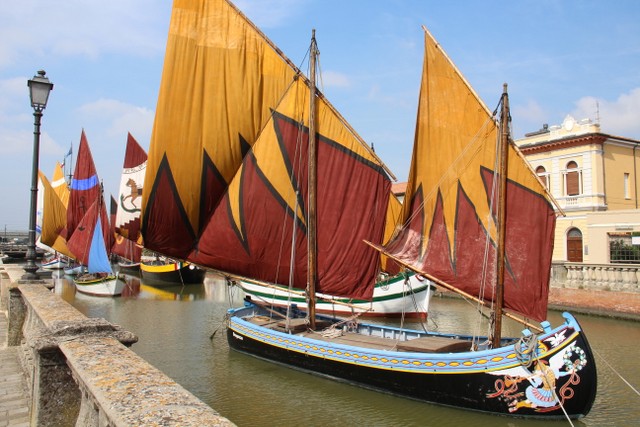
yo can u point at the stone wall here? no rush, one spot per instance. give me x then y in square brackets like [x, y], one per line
[81, 372]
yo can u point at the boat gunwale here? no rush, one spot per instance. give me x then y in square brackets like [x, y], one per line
[482, 361]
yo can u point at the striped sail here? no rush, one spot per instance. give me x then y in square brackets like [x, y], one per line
[449, 214]
[264, 209]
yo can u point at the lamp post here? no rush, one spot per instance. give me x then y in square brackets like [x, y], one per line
[39, 88]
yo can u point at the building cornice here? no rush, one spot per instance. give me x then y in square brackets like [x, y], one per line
[567, 142]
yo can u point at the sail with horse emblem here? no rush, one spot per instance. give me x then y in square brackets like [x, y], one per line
[126, 223]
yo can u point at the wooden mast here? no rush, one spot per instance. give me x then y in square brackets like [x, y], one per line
[312, 248]
[502, 201]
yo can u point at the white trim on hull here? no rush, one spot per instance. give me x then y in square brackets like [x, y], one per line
[106, 287]
[391, 298]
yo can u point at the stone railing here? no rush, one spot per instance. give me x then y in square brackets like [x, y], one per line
[81, 372]
[602, 277]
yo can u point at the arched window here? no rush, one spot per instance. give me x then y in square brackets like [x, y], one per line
[572, 179]
[574, 245]
[544, 176]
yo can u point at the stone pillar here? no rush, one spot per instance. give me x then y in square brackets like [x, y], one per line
[16, 316]
[55, 395]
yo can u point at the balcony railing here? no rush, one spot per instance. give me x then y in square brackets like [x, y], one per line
[602, 277]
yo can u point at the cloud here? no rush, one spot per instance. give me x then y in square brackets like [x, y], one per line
[620, 117]
[78, 27]
[116, 118]
[335, 79]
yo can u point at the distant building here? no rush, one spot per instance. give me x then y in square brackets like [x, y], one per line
[594, 178]
[399, 189]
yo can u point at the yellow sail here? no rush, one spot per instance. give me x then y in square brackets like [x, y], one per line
[59, 185]
[54, 218]
[221, 78]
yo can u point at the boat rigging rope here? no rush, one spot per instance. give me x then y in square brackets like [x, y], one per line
[525, 349]
[616, 372]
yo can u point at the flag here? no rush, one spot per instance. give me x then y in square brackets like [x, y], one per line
[64, 160]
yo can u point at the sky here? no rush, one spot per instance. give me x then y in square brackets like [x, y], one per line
[105, 58]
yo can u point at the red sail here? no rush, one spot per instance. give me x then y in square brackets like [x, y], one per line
[251, 231]
[85, 187]
[80, 242]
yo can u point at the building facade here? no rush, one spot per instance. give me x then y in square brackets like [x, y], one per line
[594, 179]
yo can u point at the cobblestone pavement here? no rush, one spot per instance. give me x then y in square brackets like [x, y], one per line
[14, 399]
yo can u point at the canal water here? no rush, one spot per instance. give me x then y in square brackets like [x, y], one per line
[181, 332]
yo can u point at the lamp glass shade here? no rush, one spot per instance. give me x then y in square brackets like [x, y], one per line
[39, 88]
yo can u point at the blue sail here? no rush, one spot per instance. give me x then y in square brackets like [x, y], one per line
[98, 258]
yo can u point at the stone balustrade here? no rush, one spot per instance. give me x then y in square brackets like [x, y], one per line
[81, 371]
[601, 277]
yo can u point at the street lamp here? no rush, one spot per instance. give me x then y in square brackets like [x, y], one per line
[39, 88]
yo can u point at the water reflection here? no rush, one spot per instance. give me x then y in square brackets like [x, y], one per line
[181, 332]
[211, 289]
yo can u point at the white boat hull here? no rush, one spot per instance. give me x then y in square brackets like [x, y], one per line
[106, 287]
[73, 271]
[391, 298]
[54, 264]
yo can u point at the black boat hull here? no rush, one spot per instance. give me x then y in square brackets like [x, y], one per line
[499, 388]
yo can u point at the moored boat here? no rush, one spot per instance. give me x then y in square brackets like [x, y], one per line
[437, 368]
[54, 263]
[90, 239]
[167, 272]
[75, 269]
[99, 284]
[393, 296]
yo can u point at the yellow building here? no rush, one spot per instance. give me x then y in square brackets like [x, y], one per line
[594, 178]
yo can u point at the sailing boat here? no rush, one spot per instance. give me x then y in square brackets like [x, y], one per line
[87, 231]
[126, 218]
[217, 123]
[52, 220]
[452, 218]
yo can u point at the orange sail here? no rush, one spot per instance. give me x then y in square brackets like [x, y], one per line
[59, 185]
[449, 212]
[54, 218]
[221, 78]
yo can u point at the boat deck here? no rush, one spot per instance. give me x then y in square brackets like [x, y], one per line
[427, 344]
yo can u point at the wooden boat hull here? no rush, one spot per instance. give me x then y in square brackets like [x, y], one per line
[106, 286]
[171, 274]
[391, 298]
[491, 381]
